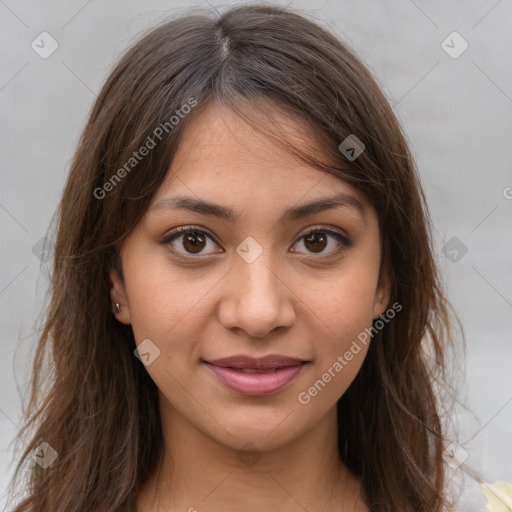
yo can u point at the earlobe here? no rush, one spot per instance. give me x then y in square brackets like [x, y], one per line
[120, 307]
[382, 296]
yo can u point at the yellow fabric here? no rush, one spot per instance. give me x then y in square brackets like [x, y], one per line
[499, 496]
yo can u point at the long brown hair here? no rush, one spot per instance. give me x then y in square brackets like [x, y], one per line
[99, 407]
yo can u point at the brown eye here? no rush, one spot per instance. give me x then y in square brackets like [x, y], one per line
[189, 241]
[318, 240]
[194, 242]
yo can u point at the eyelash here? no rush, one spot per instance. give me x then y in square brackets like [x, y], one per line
[344, 242]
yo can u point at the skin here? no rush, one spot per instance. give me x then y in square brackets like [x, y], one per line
[291, 300]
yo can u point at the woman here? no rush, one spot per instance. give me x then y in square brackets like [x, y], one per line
[245, 309]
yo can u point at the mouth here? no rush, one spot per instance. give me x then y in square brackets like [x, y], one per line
[256, 376]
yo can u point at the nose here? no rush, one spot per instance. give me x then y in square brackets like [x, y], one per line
[256, 298]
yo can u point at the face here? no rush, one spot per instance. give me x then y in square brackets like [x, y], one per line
[261, 296]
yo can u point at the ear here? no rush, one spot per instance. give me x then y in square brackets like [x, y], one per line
[118, 296]
[382, 295]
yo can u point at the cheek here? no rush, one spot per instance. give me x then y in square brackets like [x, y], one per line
[344, 302]
[339, 351]
[164, 302]
[343, 307]
[345, 341]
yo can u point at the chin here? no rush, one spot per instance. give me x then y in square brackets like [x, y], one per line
[251, 428]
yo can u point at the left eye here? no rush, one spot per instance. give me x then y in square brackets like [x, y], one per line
[317, 240]
[194, 241]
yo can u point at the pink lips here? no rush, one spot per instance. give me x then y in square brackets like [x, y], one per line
[255, 377]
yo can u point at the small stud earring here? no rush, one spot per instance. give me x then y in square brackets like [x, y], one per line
[118, 307]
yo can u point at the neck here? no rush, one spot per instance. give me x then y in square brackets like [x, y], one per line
[197, 473]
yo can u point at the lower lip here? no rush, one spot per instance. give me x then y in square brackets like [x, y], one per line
[256, 384]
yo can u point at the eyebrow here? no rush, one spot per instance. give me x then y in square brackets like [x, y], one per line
[296, 212]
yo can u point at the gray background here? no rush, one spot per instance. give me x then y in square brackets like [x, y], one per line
[456, 113]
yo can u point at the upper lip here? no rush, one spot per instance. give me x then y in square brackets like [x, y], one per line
[261, 363]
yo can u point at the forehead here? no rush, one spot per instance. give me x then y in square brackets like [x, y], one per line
[222, 158]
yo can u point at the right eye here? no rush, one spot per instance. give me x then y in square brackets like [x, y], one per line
[192, 240]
